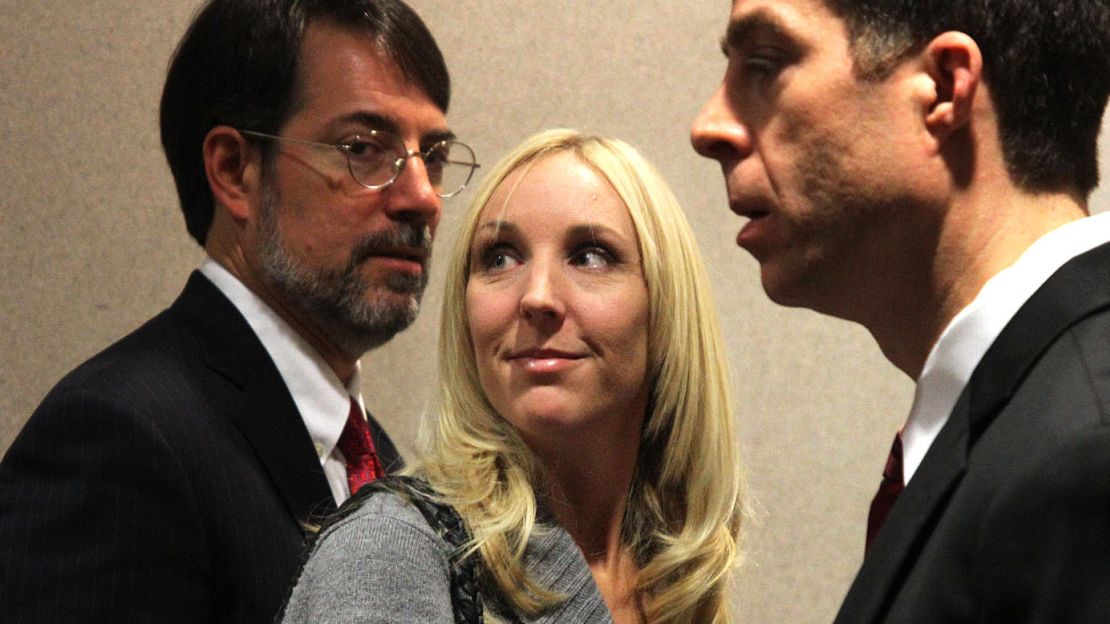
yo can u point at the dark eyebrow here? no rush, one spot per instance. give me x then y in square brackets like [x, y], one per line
[381, 122]
[740, 30]
[436, 136]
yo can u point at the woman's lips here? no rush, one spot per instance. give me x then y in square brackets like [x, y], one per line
[545, 361]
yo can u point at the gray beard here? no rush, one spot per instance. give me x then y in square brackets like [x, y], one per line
[335, 300]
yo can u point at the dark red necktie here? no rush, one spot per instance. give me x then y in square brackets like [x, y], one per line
[888, 492]
[357, 447]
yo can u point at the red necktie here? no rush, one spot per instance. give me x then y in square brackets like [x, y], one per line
[357, 447]
[888, 492]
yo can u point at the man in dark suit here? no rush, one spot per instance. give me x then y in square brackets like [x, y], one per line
[923, 168]
[171, 478]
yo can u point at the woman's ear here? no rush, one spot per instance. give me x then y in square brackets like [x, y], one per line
[233, 170]
[954, 63]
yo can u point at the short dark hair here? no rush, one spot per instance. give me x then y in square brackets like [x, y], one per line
[1046, 62]
[237, 65]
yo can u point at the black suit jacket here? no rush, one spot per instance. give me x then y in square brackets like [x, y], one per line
[167, 479]
[1007, 520]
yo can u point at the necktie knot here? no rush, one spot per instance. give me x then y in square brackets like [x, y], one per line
[357, 446]
[891, 486]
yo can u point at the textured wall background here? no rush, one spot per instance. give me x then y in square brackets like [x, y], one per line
[92, 243]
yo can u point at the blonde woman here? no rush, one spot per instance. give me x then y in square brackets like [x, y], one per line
[584, 431]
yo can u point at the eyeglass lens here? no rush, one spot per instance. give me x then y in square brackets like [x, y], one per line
[376, 159]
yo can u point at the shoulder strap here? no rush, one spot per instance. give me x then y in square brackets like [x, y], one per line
[466, 596]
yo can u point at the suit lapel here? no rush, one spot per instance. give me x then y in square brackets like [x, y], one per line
[1080, 288]
[262, 408]
[269, 420]
[909, 524]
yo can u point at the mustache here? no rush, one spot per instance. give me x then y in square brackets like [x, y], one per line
[409, 235]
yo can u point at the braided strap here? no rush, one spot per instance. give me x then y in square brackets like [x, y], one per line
[466, 596]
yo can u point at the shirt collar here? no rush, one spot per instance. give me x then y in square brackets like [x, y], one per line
[968, 336]
[321, 398]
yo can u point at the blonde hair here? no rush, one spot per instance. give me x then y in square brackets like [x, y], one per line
[684, 512]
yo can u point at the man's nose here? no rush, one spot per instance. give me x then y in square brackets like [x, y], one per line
[717, 131]
[412, 195]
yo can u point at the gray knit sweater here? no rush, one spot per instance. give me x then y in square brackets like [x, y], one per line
[384, 564]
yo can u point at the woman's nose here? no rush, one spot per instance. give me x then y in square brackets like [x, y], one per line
[541, 299]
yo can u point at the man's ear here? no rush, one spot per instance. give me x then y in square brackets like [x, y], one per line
[233, 170]
[955, 65]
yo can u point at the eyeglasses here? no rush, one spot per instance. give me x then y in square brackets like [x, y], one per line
[377, 158]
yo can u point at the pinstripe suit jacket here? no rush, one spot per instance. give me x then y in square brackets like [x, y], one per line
[165, 480]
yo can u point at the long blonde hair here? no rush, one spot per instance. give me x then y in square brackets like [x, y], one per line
[683, 517]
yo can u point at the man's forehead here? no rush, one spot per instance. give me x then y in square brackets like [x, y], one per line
[344, 75]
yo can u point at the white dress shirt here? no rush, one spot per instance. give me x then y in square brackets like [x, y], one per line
[321, 398]
[967, 338]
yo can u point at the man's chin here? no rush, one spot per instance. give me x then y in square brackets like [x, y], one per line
[395, 302]
[782, 288]
[389, 310]
[801, 290]
[358, 338]
[358, 327]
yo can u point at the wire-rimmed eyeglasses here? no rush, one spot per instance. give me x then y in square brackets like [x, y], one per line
[376, 159]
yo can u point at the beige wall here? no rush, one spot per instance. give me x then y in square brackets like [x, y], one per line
[91, 242]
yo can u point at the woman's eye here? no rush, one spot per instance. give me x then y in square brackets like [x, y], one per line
[498, 258]
[592, 258]
[500, 261]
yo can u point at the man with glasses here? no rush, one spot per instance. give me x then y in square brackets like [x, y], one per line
[172, 477]
[923, 169]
